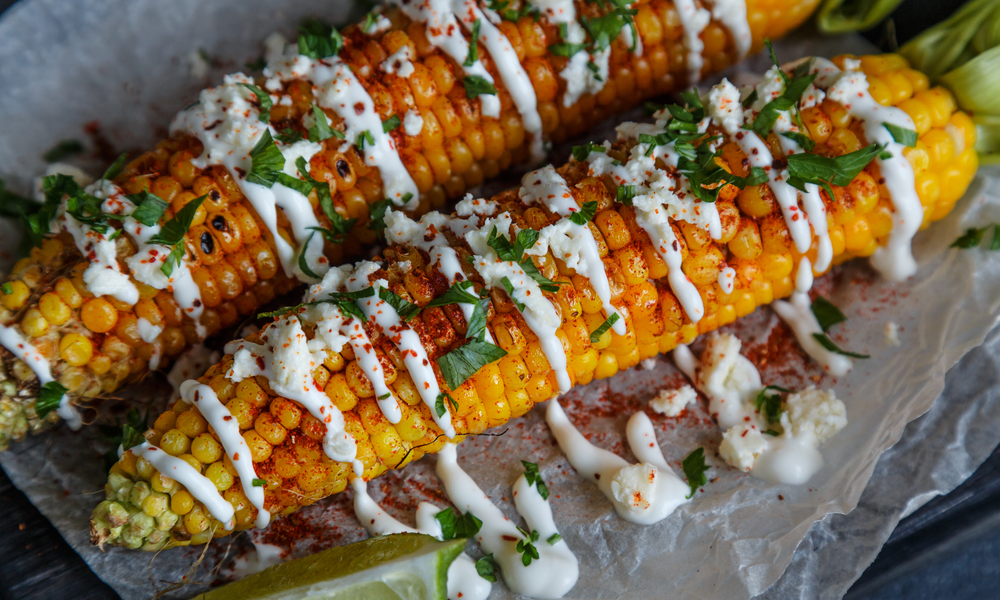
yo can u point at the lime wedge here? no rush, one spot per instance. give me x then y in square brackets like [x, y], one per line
[405, 566]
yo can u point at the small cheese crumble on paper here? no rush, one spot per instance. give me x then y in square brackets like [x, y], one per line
[673, 402]
[892, 334]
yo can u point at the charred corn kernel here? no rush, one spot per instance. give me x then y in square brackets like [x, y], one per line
[76, 349]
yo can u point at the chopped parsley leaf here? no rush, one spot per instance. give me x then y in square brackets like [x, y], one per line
[585, 214]
[534, 477]
[172, 234]
[48, 398]
[827, 313]
[266, 161]
[265, 102]
[476, 85]
[317, 40]
[473, 55]
[825, 341]
[455, 525]
[694, 470]
[608, 323]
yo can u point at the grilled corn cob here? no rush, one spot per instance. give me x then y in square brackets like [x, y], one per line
[93, 344]
[146, 509]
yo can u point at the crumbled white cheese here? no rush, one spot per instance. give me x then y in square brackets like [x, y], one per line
[815, 413]
[413, 123]
[849, 87]
[399, 63]
[724, 106]
[852, 64]
[673, 402]
[770, 87]
[471, 205]
[649, 363]
[892, 334]
[741, 445]
[634, 487]
[381, 24]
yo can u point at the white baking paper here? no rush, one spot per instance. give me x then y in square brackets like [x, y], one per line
[127, 66]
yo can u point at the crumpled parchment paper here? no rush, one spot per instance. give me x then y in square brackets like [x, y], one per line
[127, 66]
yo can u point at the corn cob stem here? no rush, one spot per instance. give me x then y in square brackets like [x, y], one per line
[239, 260]
[286, 441]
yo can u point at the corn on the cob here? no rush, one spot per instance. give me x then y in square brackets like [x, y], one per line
[94, 345]
[146, 509]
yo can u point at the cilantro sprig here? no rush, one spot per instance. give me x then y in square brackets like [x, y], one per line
[476, 85]
[585, 214]
[973, 236]
[345, 301]
[534, 477]
[825, 172]
[486, 567]
[473, 56]
[264, 99]
[526, 547]
[458, 294]
[608, 323]
[456, 525]
[318, 40]
[768, 404]
[49, 397]
[439, 406]
[172, 235]
[694, 470]
[827, 313]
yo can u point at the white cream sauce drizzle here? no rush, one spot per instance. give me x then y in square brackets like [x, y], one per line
[554, 573]
[12, 340]
[464, 582]
[797, 312]
[733, 14]
[228, 125]
[573, 244]
[287, 362]
[645, 493]
[443, 31]
[227, 429]
[579, 78]
[514, 78]
[418, 364]
[694, 19]
[894, 261]
[333, 331]
[538, 312]
[660, 197]
[201, 487]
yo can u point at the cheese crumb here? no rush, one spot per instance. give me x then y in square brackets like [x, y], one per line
[673, 402]
[816, 413]
[634, 487]
[741, 445]
[892, 334]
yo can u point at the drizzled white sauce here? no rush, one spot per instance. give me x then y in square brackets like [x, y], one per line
[333, 331]
[579, 77]
[227, 123]
[538, 311]
[12, 340]
[227, 429]
[288, 363]
[399, 63]
[443, 31]
[662, 196]
[694, 20]
[894, 261]
[553, 573]
[797, 312]
[418, 364]
[198, 485]
[464, 582]
[335, 87]
[573, 244]
[645, 493]
[727, 277]
[733, 14]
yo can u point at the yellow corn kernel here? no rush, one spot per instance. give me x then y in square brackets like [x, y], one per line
[165, 422]
[175, 443]
[195, 521]
[15, 294]
[98, 315]
[54, 309]
[206, 448]
[220, 476]
[33, 323]
[181, 502]
[260, 449]
[76, 349]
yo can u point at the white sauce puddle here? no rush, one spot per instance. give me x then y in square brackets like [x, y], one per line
[464, 582]
[645, 493]
[551, 575]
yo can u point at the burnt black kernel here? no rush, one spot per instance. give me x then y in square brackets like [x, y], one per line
[207, 243]
[215, 195]
[219, 222]
[343, 169]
